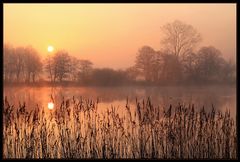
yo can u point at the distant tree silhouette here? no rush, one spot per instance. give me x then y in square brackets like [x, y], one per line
[171, 69]
[33, 64]
[209, 64]
[85, 70]
[177, 62]
[145, 59]
[132, 73]
[228, 72]
[58, 66]
[48, 66]
[189, 65]
[21, 64]
[180, 38]
[9, 62]
[61, 64]
[107, 76]
[74, 69]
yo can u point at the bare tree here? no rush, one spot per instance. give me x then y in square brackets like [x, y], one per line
[171, 69]
[21, 64]
[74, 68]
[132, 73]
[33, 64]
[180, 38]
[61, 64]
[85, 70]
[145, 60]
[9, 57]
[189, 66]
[157, 66]
[49, 67]
[209, 63]
[229, 71]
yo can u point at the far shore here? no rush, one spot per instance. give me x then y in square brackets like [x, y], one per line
[137, 84]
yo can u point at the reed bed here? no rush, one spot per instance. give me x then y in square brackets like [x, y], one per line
[77, 129]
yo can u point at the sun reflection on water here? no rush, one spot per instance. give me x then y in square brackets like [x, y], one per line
[50, 105]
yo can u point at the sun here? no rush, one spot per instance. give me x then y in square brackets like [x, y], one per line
[50, 48]
[50, 105]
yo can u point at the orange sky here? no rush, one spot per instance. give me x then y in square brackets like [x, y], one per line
[110, 34]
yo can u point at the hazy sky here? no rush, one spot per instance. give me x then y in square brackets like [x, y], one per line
[110, 34]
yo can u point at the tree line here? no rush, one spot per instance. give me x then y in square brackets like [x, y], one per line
[178, 62]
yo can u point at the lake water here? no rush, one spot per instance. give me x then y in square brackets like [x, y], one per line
[221, 97]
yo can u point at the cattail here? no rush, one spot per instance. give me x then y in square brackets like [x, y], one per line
[181, 132]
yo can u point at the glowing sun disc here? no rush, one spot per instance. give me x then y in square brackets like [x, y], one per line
[50, 48]
[50, 105]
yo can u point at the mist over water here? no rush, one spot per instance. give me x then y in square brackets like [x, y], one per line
[221, 97]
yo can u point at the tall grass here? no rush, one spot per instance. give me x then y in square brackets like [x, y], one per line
[78, 129]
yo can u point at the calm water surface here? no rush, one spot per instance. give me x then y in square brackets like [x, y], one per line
[221, 97]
